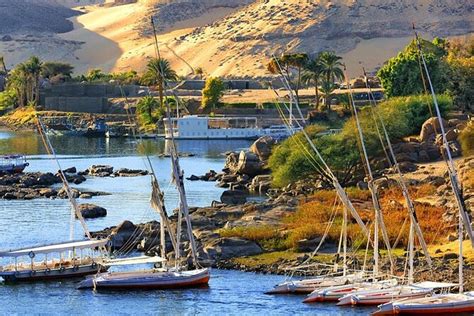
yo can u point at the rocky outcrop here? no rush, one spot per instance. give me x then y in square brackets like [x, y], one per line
[226, 248]
[234, 197]
[262, 147]
[108, 171]
[92, 211]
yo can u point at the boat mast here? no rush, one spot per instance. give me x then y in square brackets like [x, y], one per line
[453, 177]
[379, 223]
[464, 220]
[414, 225]
[178, 175]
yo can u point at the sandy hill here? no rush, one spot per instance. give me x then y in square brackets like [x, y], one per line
[34, 16]
[236, 37]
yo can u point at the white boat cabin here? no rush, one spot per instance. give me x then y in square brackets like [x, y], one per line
[205, 127]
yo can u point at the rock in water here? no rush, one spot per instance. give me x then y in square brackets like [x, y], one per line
[101, 170]
[249, 164]
[262, 147]
[233, 197]
[92, 211]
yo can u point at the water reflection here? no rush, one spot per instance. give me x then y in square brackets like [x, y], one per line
[29, 143]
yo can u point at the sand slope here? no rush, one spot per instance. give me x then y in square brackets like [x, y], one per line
[236, 38]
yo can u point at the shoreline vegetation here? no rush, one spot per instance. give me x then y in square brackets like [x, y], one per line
[284, 229]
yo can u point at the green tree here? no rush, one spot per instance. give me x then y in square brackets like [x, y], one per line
[212, 92]
[461, 63]
[94, 75]
[312, 75]
[149, 111]
[402, 75]
[8, 99]
[158, 72]
[331, 71]
[51, 69]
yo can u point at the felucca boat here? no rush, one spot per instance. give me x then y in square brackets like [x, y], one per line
[60, 260]
[160, 276]
[441, 304]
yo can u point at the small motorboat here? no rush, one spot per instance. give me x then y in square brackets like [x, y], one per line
[385, 295]
[441, 304]
[13, 164]
[334, 293]
[152, 279]
[307, 286]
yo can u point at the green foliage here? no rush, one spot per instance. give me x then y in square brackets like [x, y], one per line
[466, 138]
[212, 92]
[401, 75]
[149, 112]
[294, 160]
[461, 62]
[52, 68]
[8, 99]
[96, 75]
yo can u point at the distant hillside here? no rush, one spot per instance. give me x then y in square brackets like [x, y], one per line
[34, 16]
[226, 37]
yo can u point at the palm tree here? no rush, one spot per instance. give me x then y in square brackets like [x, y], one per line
[331, 70]
[158, 71]
[32, 68]
[298, 61]
[283, 65]
[312, 75]
[17, 81]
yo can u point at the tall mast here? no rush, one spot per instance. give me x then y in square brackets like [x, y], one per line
[414, 225]
[178, 175]
[453, 177]
[379, 223]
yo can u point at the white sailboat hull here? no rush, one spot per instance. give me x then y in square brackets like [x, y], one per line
[309, 285]
[381, 296]
[443, 304]
[148, 279]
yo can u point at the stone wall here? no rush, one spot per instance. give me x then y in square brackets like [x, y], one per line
[229, 84]
[76, 104]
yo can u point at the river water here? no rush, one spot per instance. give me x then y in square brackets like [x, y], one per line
[42, 221]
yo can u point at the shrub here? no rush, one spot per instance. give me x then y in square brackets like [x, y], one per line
[8, 99]
[212, 92]
[293, 159]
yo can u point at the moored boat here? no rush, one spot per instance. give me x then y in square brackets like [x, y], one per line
[13, 163]
[442, 304]
[307, 286]
[334, 293]
[42, 265]
[148, 280]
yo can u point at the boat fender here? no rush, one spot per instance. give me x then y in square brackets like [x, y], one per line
[396, 310]
[47, 271]
[32, 273]
[62, 269]
[31, 254]
[94, 265]
[75, 268]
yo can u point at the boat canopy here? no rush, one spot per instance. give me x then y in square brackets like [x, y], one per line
[434, 285]
[73, 245]
[132, 261]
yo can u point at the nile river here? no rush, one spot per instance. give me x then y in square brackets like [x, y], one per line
[25, 223]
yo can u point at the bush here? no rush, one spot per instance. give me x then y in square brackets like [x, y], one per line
[212, 92]
[466, 138]
[293, 159]
[8, 99]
